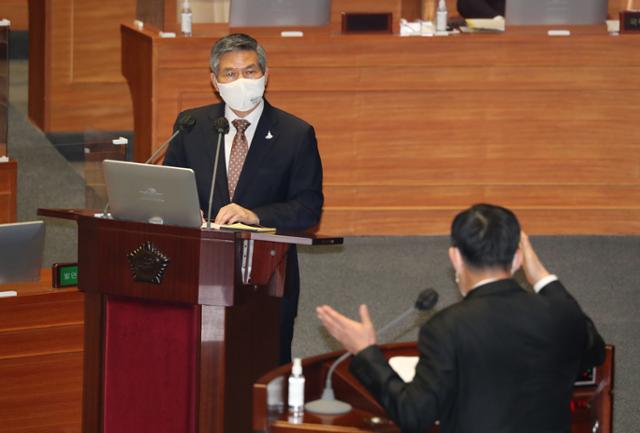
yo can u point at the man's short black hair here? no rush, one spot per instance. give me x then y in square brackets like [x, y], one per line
[486, 235]
[236, 42]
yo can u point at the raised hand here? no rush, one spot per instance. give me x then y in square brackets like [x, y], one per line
[353, 335]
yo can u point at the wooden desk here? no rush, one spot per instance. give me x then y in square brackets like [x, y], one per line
[41, 358]
[85, 91]
[411, 130]
[17, 11]
[589, 403]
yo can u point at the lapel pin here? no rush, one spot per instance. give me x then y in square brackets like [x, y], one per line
[269, 136]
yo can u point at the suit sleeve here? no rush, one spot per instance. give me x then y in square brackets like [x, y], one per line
[413, 406]
[302, 207]
[594, 347]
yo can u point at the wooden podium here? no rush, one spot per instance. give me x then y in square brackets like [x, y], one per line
[179, 323]
[590, 405]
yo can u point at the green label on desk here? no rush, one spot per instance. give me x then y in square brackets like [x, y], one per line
[68, 275]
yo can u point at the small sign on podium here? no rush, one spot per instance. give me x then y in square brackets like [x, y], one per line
[630, 21]
[65, 275]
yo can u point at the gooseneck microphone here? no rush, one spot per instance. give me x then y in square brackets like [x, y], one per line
[185, 124]
[221, 126]
[327, 404]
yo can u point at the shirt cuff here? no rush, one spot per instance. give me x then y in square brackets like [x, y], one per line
[543, 282]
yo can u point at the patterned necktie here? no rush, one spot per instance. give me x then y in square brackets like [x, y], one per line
[239, 150]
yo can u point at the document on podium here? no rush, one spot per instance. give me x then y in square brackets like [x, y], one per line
[241, 227]
[484, 25]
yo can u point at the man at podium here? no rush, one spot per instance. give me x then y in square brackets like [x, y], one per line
[269, 170]
[501, 360]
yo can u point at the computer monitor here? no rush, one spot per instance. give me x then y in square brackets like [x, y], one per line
[543, 12]
[152, 193]
[21, 247]
[279, 13]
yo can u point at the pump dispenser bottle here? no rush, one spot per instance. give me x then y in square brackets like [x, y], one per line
[442, 16]
[186, 19]
[296, 388]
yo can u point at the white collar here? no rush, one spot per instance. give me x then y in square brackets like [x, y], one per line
[252, 117]
[486, 281]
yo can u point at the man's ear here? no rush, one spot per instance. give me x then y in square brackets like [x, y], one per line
[214, 82]
[456, 259]
[516, 262]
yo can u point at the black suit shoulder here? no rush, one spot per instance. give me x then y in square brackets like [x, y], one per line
[288, 119]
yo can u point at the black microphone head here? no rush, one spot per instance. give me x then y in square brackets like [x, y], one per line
[187, 122]
[221, 125]
[427, 299]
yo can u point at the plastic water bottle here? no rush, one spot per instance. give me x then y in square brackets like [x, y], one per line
[442, 15]
[186, 19]
[296, 388]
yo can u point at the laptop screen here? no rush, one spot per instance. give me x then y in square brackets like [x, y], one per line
[154, 194]
[21, 247]
[274, 13]
[541, 12]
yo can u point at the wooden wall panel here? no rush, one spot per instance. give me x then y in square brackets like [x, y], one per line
[96, 42]
[17, 11]
[414, 129]
[41, 348]
[78, 70]
[41, 394]
[615, 6]
[80, 60]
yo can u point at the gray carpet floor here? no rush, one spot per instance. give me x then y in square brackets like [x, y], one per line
[386, 273]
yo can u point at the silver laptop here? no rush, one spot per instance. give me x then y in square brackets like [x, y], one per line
[540, 12]
[152, 193]
[275, 13]
[21, 246]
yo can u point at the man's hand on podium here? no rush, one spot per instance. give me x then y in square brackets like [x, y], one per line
[354, 336]
[233, 213]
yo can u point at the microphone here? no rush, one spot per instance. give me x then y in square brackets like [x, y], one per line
[221, 126]
[327, 404]
[185, 124]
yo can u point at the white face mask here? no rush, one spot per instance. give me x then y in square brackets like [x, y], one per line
[242, 94]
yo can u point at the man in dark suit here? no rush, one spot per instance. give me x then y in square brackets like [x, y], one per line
[269, 170]
[481, 8]
[501, 360]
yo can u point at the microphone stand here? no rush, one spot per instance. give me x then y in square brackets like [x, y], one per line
[222, 126]
[161, 148]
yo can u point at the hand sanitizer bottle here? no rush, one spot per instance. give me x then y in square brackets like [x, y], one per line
[296, 388]
[186, 19]
[441, 17]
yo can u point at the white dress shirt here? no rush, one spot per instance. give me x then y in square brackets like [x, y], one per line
[253, 118]
[539, 285]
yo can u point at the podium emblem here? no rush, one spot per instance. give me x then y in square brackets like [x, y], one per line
[148, 263]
